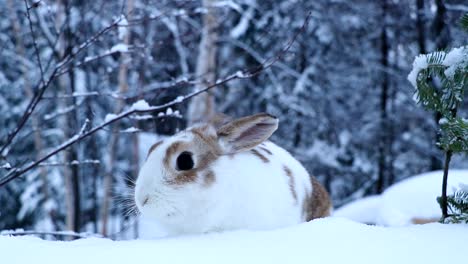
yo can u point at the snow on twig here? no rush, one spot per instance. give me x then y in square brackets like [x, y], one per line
[44, 233]
[71, 163]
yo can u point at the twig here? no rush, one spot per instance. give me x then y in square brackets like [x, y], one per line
[58, 71]
[87, 43]
[44, 233]
[94, 58]
[42, 87]
[27, 113]
[71, 163]
[37, 96]
[36, 49]
[15, 172]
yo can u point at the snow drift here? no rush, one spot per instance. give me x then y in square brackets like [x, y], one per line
[330, 240]
[406, 202]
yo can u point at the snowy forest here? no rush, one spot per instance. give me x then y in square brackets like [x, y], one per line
[86, 87]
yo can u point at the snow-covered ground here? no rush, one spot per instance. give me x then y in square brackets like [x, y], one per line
[407, 202]
[335, 239]
[331, 240]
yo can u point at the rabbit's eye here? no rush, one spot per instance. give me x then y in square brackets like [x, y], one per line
[185, 161]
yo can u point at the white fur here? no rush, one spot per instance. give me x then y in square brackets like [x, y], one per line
[247, 193]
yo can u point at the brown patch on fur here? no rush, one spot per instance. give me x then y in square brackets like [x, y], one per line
[170, 151]
[422, 221]
[209, 178]
[317, 204]
[184, 177]
[153, 147]
[288, 172]
[205, 150]
[209, 139]
[259, 155]
[266, 150]
[181, 176]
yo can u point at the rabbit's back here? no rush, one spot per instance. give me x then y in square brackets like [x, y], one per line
[268, 188]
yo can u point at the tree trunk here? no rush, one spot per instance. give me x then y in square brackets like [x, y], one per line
[443, 200]
[38, 143]
[420, 18]
[68, 121]
[114, 140]
[201, 107]
[384, 94]
[441, 36]
[440, 29]
[435, 163]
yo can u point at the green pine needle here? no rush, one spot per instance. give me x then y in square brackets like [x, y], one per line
[464, 22]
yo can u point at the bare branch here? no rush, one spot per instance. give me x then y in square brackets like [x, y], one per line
[87, 60]
[45, 233]
[36, 49]
[71, 163]
[27, 113]
[43, 85]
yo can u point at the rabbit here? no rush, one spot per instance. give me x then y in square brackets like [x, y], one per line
[227, 176]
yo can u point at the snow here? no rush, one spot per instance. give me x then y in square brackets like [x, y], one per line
[179, 99]
[453, 60]
[119, 48]
[443, 121]
[419, 64]
[243, 24]
[363, 210]
[324, 34]
[130, 130]
[109, 117]
[416, 197]
[140, 105]
[122, 27]
[331, 240]
[323, 151]
[6, 166]
[463, 187]
[240, 74]
[406, 201]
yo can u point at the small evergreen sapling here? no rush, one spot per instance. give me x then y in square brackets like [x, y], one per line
[441, 79]
[458, 206]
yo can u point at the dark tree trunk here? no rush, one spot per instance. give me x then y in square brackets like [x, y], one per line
[443, 200]
[440, 29]
[420, 19]
[441, 36]
[384, 94]
[72, 129]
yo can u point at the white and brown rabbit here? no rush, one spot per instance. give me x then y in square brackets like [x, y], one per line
[222, 177]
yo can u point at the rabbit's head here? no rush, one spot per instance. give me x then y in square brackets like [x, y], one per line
[178, 181]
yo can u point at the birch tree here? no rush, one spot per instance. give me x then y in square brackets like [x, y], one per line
[202, 108]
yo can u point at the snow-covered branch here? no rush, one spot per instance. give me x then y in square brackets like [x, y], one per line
[71, 163]
[142, 107]
[46, 233]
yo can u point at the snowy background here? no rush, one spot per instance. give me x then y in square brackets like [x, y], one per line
[333, 72]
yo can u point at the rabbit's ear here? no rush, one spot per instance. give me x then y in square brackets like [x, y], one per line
[247, 132]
